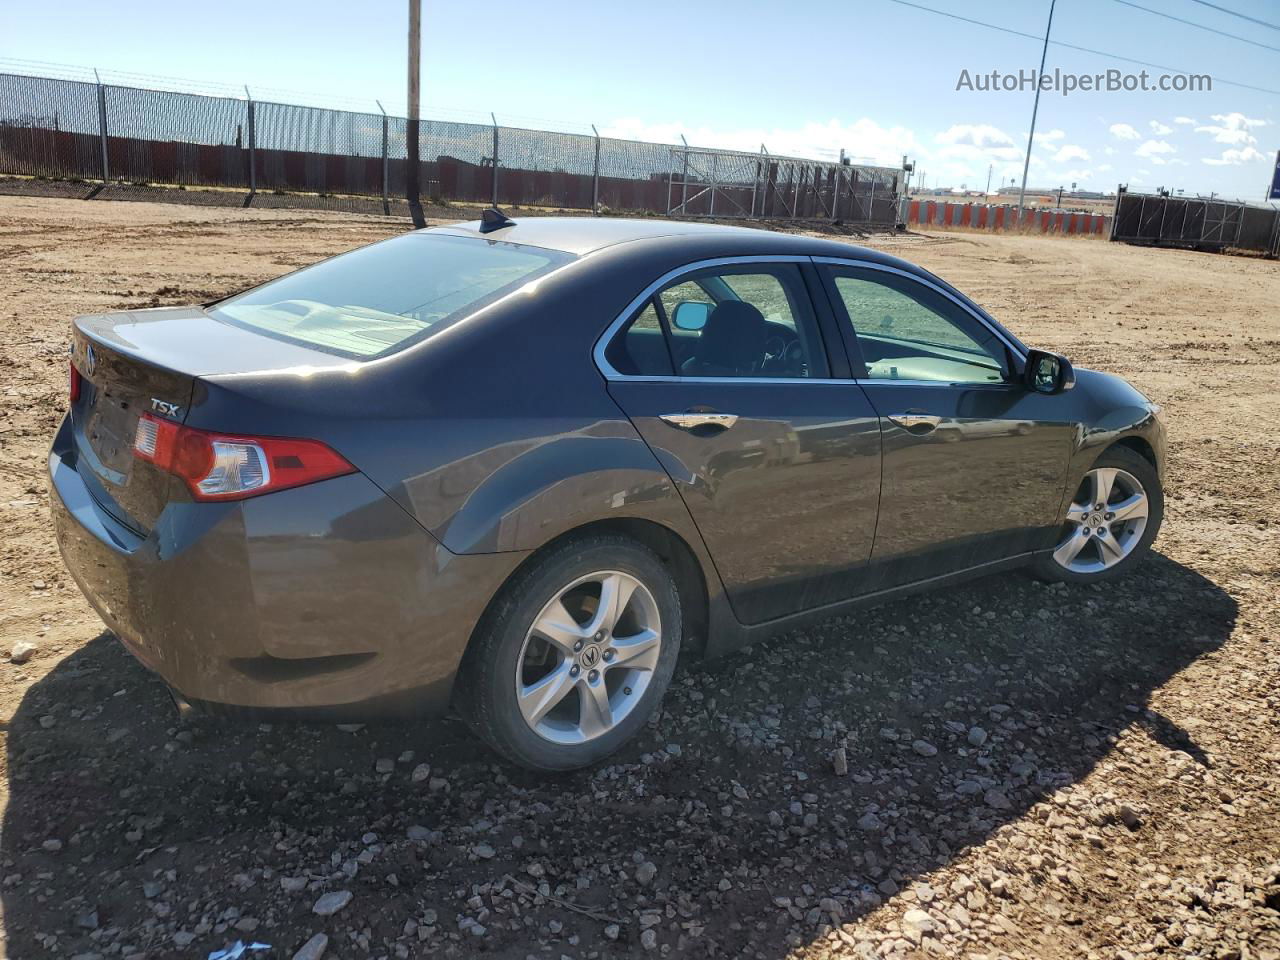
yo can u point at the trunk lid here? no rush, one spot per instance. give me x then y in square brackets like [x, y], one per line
[150, 361]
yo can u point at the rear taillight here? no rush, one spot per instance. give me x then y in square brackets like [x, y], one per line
[220, 467]
[74, 383]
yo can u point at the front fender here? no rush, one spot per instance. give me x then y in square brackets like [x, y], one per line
[1118, 412]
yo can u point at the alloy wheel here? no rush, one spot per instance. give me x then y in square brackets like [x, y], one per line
[1104, 522]
[589, 657]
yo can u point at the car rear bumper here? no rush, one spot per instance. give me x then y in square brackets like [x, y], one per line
[324, 600]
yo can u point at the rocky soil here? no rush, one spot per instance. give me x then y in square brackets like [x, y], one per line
[1003, 769]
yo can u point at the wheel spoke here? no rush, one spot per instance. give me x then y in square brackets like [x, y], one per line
[1071, 547]
[540, 697]
[1104, 479]
[1076, 512]
[615, 594]
[558, 626]
[1131, 508]
[596, 714]
[639, 652]
[1109, 550]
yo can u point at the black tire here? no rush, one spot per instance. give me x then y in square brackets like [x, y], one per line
[486, 694]
[1046, 568]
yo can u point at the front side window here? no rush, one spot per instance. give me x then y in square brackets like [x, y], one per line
[380, 298]
[742, 322]
[906, 331]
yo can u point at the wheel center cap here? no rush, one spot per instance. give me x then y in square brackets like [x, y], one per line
[1095, 521]
[590, 656]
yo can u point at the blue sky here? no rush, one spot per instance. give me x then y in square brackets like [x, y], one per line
[873, 77]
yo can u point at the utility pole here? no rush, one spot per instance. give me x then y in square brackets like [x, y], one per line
[990, 169]
[411, 130]
[1035, 107]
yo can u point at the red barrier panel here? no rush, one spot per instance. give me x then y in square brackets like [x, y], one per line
[913, 216]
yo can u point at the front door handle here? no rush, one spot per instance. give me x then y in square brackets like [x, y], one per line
[916, 422]
[694, 419]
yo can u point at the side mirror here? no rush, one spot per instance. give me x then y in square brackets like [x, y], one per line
[690, 315]
[1048, 372]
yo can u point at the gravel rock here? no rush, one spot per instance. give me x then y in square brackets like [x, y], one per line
[313, 949]
[977, 736]
[869, 821]
[840, 762]
[331, 903]
[924, 748]
[997, 800]
[22, 651]
[645, 873]
[421, 772]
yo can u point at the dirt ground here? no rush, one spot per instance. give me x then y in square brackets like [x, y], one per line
[1032, 771]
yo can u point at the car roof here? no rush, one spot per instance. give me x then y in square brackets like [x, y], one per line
[583, 235]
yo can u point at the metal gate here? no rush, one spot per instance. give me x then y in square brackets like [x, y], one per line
[1202, 223]
[734, 185]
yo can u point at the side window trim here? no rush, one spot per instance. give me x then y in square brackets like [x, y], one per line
[672, 276]
[1016, 354]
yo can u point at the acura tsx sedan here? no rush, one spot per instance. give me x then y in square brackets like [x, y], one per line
[516, 468]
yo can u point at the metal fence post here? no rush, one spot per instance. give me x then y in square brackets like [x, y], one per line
[495, 158]
[871, 201]
[253, 157]
[102, 124]
[684, 187]
[386, 164]
[595, 176]
[755, 184]
[835, 199]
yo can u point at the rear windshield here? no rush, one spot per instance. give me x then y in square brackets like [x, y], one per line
[383, 297]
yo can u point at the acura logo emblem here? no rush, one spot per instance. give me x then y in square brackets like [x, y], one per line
[90, 360]
[590, 657]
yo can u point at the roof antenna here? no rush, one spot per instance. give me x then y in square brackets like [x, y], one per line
[494, 219]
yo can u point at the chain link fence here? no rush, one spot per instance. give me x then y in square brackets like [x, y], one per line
[276, 154]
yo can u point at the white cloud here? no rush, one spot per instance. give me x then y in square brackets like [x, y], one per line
[1122, 131]
[1232, 128]
[1186, 121]
[1159, 129]
[1070, 152]
[1049, 136]
[1153, 148]
[1234, 157]
[979, 135]
[1104, 167]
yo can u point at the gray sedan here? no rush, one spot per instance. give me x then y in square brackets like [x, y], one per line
[518, 468]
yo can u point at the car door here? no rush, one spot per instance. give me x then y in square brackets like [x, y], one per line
[777, 460]
[974, 462]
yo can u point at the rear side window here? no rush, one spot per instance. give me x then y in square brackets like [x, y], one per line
[640, 348]
[735, 321]
[381, 298]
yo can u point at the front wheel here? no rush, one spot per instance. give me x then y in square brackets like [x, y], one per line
[1110, 522]
[575, 654]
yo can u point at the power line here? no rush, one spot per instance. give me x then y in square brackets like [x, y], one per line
[1072, 46]
[1198, 26]
[1242, 16]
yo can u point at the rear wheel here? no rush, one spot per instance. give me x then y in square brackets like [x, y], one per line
[1110, 522]
[575, 654]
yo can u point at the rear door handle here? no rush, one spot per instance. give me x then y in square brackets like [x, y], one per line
[916, 422]
[693, 420]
